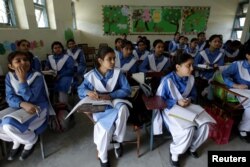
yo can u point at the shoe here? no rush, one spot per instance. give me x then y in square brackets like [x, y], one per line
[118, 151]
[244, 138]
[12, 154]
[193, 154]
[26, 153]
[173, 163]
[106, 164]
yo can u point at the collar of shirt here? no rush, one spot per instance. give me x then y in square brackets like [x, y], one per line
[108, 75]
[58, 57]
[246, 64]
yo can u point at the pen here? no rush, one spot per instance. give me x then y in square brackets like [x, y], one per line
[96, 93]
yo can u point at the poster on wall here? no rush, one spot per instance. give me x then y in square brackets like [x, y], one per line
[115, 20]
[194, 19]
[155, 20]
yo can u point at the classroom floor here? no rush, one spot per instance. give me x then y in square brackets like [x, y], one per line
[75, 148]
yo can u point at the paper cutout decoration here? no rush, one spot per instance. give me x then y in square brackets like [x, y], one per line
[68, 34]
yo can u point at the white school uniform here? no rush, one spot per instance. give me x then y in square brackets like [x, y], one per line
[191, 137]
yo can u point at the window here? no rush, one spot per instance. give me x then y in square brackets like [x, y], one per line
[7, 15]
[239, 20]
[41, 13]
[73, 15]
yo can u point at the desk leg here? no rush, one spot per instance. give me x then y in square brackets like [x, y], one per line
[151, 131]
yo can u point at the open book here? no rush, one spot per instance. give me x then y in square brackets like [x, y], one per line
[204, 66]
[192, 115]
[20, 115]
[89, 105]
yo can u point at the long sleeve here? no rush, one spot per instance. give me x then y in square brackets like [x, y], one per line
[84, 88]
[229, 73]
[122, 88]
[28, 93]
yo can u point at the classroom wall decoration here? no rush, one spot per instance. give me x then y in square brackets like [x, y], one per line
[194, 19]
[154, 20]
[115, 20]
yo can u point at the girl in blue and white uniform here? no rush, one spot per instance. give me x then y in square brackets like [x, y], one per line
[25, 89]
[192, 48]
[106, 82]
[177, 88]
[156, 61]
[181, 45]
[24, 46]
[80, 67]
[173, 44]
[63, 64]
[141, 52]
[212, 57]
[237, 75]
[126, 60]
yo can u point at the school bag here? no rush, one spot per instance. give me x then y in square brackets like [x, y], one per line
[57, 122]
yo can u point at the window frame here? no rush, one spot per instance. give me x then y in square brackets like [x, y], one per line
[44, 11]
[73, 15]
[11, 17]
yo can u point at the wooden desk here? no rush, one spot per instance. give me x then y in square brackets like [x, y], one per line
[153, 103]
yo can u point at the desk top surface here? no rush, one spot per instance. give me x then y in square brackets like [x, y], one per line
[155, 102]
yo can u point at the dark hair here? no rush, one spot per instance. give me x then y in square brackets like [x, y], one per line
[12, 55]
[236, 43]
[70, 40]
[57, 43]
[126, 43]
[200, 33]
[157, 41]
[21, 41]
[179, 59]
[102, 52]
[141, 41]
[193, 39]
[212, 37]
[176, 33]
[182, 36]
[118, 39]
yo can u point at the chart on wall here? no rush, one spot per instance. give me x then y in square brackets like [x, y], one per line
[194, 19]
[154, 20]
[115, 20]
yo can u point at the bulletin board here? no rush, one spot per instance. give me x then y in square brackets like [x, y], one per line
[115, 20]
[150, 20]
[194, 19]
[154, 20]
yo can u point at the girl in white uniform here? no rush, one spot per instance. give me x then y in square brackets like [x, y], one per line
[107, 83]
[177, 89]
[25, 89]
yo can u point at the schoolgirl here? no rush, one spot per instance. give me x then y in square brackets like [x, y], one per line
[80, 62]
[25, 89]
[201, 41]
[177, 88]
[181, 45]
[63, 65]
[126, 61]
[156, 61]
[212, 57]
[192, 48]
[106, 82]
[24, 46]
[173, 44]
[237, 75]
[140, 52]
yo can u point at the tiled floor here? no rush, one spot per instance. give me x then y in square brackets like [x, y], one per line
[75, 148]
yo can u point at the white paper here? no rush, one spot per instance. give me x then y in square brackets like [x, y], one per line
[204, 66]
[20, 115]
[243, 92]
[139, 77]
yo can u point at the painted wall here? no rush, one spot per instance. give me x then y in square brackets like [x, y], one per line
[29, 30]
[89, 22]
[89, 17]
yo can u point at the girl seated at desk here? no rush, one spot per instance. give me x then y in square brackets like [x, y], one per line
[177, 88]
[25, 90]
[64, 67]
[156, 61]
[237, 75]
[141, 52]
[126, 60]
[107, 83]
